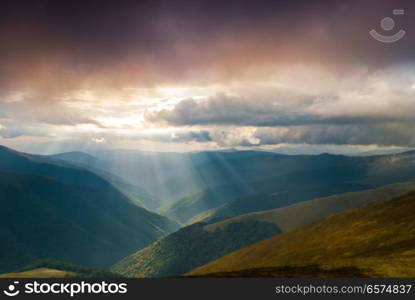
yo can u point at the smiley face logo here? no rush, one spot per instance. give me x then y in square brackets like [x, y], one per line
[387, 24]
[11, 290]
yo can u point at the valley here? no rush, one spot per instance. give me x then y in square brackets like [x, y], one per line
[166, 214]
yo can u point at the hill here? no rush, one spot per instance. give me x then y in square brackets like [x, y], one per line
[50, 211]
[48, 268]
[376, 240]
[187, 207]
[266, 181]
[347, 174]
[201, 186]
[296, 215]
[191, 247]
[84, 161]
[39, 273]
[77, 157]
[23, 163]
[169, 256]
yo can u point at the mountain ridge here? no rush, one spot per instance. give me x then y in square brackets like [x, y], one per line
[295, 215]
[71, 214]
[378, 239]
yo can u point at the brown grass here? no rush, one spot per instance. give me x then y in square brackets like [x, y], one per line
[39, 273]
[378, 238]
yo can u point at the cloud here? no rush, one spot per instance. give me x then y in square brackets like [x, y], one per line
[364, 109]
[385, 135]
[226, 110]
[390, 134]
[24, 111]
[52, 49]
[13, 130]
[2, 131]
[232, 137]
[177, 136]
[280, 71]
[370, 98]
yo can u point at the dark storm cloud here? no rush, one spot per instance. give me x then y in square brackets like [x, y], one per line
[388, 134]
[54, 47]
[228, 110]
[382, 114]
[52, 50]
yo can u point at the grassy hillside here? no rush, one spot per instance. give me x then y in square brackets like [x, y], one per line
[296, 215]
[48, 268]
[39, 273]
[191, 247]
[167, 258]
[289, 272]
[376, 240]
[50, 211]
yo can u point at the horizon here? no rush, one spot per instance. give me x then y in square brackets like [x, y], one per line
[96, 152]
[204, 77]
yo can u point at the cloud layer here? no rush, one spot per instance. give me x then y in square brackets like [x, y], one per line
[223, 73]
[369, 108]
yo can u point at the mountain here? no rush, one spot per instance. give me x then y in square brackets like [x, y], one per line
[296, 215]
[342, 175]
[266, 180]
[40, 273]
[82, 160]
[187, 185]
[70, 214]
[170, 256]
[375, 240]
[49, 268]
[23, 163]
[203, 186]
[184, 209]
[191, 247]
[152, 171]
[77, 157]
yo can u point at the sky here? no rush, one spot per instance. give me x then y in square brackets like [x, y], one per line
[204, 75]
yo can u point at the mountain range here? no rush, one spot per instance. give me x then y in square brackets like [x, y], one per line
[49, 209]
[293, 216]
[203, 186]
[124, 208]
[200, 243]
[375, 240]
